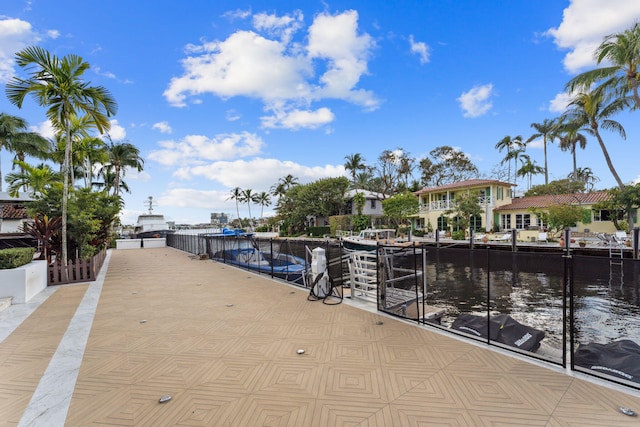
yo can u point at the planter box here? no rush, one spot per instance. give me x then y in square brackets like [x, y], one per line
[24, 282]
[151, 242]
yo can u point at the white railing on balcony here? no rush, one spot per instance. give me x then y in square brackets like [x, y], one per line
[443, 205]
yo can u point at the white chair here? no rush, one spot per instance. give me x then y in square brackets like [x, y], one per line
[621, 236]
[542, 237]
[504, 238]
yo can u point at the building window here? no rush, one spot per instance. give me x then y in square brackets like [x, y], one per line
[442, 223]
[606, 215]
[523, 221]
[476, 222]
[505, 221]
[373, 203]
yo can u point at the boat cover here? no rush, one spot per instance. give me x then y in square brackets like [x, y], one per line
[618, 358]
[503, 329]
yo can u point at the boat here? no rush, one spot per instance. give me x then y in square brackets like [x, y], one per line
[244, 252]
[369, 238]
[151, 225]
[500, 328]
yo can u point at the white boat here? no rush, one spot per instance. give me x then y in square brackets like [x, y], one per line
[369, 238]
[151, 225]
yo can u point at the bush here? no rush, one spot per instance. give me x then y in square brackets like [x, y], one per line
[318, 231]
[15, 257]
[458, 235]
[418, 233]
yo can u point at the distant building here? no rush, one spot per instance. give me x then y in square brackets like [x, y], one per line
[13, 212]
[219, 219]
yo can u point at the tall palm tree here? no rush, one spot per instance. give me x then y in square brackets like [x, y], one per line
[236, 194]
[354, 163]
[283, 185]
[586, 176]
[15, 138]
[622, 51]
[510, 144]
[58, 85]
[121, 155]
[548, 131]
[529, 169]
[263, 199]
[91, 151]
[249, 197]
[569, 141]
[591, 110]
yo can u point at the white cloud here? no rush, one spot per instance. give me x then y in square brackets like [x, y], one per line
[195, 149]
[45, 129]
[163, 127]
[259, 174]
[53, 34]
[559, 103]
[475, 102]
[15, 35]
[281, 72]
[419, 48]
[192, 198]
[232, 115]
[299, 119]
[117, 132]
[585, 23]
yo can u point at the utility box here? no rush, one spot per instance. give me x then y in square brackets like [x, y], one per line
[319, 272]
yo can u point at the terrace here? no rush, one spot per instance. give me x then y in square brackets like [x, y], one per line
[223, 343]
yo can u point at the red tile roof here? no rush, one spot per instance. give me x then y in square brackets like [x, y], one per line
[556, 199]
[463, 184]
[13, 212]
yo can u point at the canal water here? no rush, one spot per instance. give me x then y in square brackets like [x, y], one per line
[529, 287]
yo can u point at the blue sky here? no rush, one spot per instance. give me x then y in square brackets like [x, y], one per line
[230, 94]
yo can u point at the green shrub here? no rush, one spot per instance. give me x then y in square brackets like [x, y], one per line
[458, 235]
[318, 231]
[15, 257]
[418, 233]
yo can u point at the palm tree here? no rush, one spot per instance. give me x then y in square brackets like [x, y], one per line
[263, 199]
[250, 197]
[108, 182]
[548, 131]
[529, 169]
[236, 194]
[283, 185]
[91, 151]
[57, 84]
[569, 142]
[622, 51]
[38, 178]
[121, 155]
[586, 176]
[589, 111]
[14, 137]
[510, 144]
[353, 164]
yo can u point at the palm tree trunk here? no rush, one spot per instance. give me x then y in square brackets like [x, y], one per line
[575, 164]
[546, 169]
[65, 199]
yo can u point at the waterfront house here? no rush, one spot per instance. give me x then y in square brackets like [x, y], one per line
[13, 212]
[436, 201]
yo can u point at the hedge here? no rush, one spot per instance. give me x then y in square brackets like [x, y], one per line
[15, 257]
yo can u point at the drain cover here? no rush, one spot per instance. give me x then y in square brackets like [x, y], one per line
[628, 411]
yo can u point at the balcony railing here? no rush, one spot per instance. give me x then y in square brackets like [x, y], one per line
[443, 205]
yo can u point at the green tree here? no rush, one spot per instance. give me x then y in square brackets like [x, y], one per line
[622, 52]
[248, 196]
[528, 169]
[120, 156]
[354, 163]
[569, 140]
[58, 85]
[559, 217]
[36, 178]
[511, 145]
[466, 205]
[559, 186]
[399, 207]
[548, 130]
[15, 137]
[586, 177]
[263, 199]
[446, 165]
[236, 194]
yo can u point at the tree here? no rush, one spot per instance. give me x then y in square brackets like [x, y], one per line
[283, 185]
[249, 197]
[466, 205]
[622, 51]
[400, 206]
[569, 141]
[120, 156]
[510, 144]
[37, 178]
[354, 163]
[57, 85]
[559, 217]
[263, 199]
[92, 151]
[548, 130]
[515, 155]
[586, 177]
[388, 171]
[15, 138]
[529, 169]
[559, 186]
[236, 194]
[446, 165]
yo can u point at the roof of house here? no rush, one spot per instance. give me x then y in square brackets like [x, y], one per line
[367, 194]
[13, 211]
[555, 199]
[464, 184]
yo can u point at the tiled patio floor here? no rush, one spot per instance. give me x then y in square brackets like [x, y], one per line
[223, 343]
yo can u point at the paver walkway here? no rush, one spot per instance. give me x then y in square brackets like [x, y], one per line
[224, 344]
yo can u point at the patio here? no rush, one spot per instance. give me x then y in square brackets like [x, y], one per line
[223, 343]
